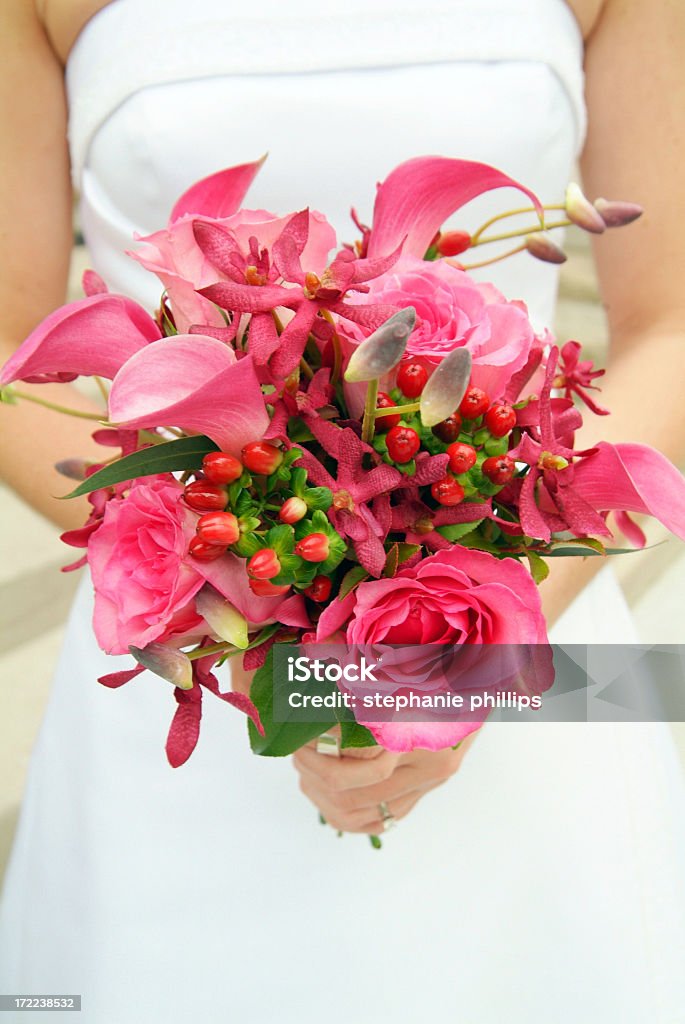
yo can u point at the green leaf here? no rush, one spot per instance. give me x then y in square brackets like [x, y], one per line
[352, 734]
[297, 431]
[246, 546]
[406, 551]
[281, 538]
[458, 530]
[392, 560]
[582, 542]
[182, 454]
[408, 468]
[298, 481]
[281, 738]
[320, 498]
[539, 569]
[352, 578]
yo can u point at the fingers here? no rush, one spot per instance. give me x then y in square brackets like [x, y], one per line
[342, 773]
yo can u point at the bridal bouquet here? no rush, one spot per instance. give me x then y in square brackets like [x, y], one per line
[371, 449]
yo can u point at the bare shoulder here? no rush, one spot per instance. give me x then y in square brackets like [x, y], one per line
[587, 13]
[64, 20]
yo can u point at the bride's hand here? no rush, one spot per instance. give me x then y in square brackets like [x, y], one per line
[348, 790]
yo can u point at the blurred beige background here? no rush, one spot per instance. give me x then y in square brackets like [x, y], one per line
[35, 596]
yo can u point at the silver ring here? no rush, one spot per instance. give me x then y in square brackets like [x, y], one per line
[327, 744]
[386, 817]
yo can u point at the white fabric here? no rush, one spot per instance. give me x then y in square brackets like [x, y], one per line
[544, 882]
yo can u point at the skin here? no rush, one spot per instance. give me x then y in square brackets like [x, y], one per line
[635, 149]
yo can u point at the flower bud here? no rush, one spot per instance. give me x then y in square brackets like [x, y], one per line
[319, 589]
[166, 662]
[292, 510]
[543, 248]
[581, 211]
[313, 548]
[264, 588]
[383, 349]
[262, 458]
[218, 528]
[451, 243]
[264, 564]
[221, 468]
[615, 213]
[73, 469]
[446, 387]
[204, 496]
[222, 618]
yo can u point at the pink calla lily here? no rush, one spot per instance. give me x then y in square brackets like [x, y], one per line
[227, 575]
[633, 478]
[94, 336]
[218, 195]
[417, 197]
[193, 382]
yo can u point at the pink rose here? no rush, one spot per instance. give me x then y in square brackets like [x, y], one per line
[454, 312]
[144, 584]
[456, 597]
[175, 257]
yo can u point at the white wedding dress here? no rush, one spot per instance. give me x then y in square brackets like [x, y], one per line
[544, 883]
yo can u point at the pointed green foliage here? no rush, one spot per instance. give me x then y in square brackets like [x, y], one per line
[352, 578]
[185, 453]
[281, 738]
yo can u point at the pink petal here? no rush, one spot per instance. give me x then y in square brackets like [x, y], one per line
[95, 335]
[633, 478]
[92, 283]
[418, 196]
[115, 679]
[401, 737]
[263, 338]
[630, 530]
[250, 298]
[289, 246]
[195, 383]
[293, 340]
[218, 195]
[185, 726]
[228, 576]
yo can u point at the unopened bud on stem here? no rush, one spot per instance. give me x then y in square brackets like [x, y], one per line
[543, 248]
[615, 213]
[581, 211]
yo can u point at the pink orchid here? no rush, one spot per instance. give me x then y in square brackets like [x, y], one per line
[417, 197]
[356, 487]
[93, 336]
[576, 375]
[184, 731]
[193, 382]
[176, 256]
[560, 506]
[251, 287]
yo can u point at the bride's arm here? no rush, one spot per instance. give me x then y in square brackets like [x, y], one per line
[635, 150]
[35, 244]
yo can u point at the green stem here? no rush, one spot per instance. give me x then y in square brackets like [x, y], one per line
[368, 423]
[61, 408]
[397, 410]
[531, 230]
[511, 213]
[494, 259]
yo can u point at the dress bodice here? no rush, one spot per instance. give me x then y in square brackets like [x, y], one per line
[338, 94]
